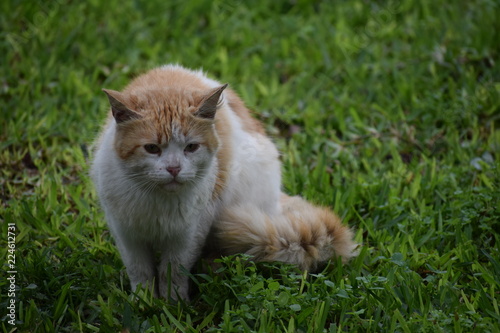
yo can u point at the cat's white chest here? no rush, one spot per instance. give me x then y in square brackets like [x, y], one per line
[163, 216]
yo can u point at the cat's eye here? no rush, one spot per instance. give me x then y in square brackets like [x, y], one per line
[152, 148]
[192, 147]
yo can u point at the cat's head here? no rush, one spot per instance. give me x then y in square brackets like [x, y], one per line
[166, 138]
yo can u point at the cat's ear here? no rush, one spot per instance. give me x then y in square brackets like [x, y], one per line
[209, 103]
[121, 113]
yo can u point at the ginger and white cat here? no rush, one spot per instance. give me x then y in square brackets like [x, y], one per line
[180, 155]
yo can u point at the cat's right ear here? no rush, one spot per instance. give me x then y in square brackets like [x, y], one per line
[121, 113]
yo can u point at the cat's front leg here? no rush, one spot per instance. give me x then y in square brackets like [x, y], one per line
[138, 258]
[176, 262]
[173, 282]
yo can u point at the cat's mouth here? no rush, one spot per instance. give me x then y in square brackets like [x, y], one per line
[172, 185]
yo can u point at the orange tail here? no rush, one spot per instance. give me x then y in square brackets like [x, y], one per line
[303, 234]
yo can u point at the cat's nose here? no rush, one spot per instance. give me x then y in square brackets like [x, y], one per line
[174, 171]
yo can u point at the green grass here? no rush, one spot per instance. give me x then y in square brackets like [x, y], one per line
[388, 112]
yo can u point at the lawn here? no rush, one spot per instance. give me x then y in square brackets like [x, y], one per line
[386, 111]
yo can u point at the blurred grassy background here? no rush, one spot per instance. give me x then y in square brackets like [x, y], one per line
[387, 111]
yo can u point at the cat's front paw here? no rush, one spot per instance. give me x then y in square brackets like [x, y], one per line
[145, 292]
[175, 292]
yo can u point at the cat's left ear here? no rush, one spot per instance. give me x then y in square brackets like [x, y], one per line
[121, 113]
[209, 104]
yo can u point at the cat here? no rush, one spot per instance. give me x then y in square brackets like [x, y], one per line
[180, 158]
